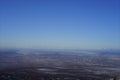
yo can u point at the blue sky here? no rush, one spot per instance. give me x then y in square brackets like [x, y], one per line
[64, 24]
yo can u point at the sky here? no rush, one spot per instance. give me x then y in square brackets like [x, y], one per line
[61, 24]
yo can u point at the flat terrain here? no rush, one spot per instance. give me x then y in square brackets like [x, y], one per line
[59, 65]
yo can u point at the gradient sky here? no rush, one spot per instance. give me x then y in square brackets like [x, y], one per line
[66, 24]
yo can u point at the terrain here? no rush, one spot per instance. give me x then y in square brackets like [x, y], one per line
[33, 64]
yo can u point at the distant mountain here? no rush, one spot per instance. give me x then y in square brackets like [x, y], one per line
[108, 52]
